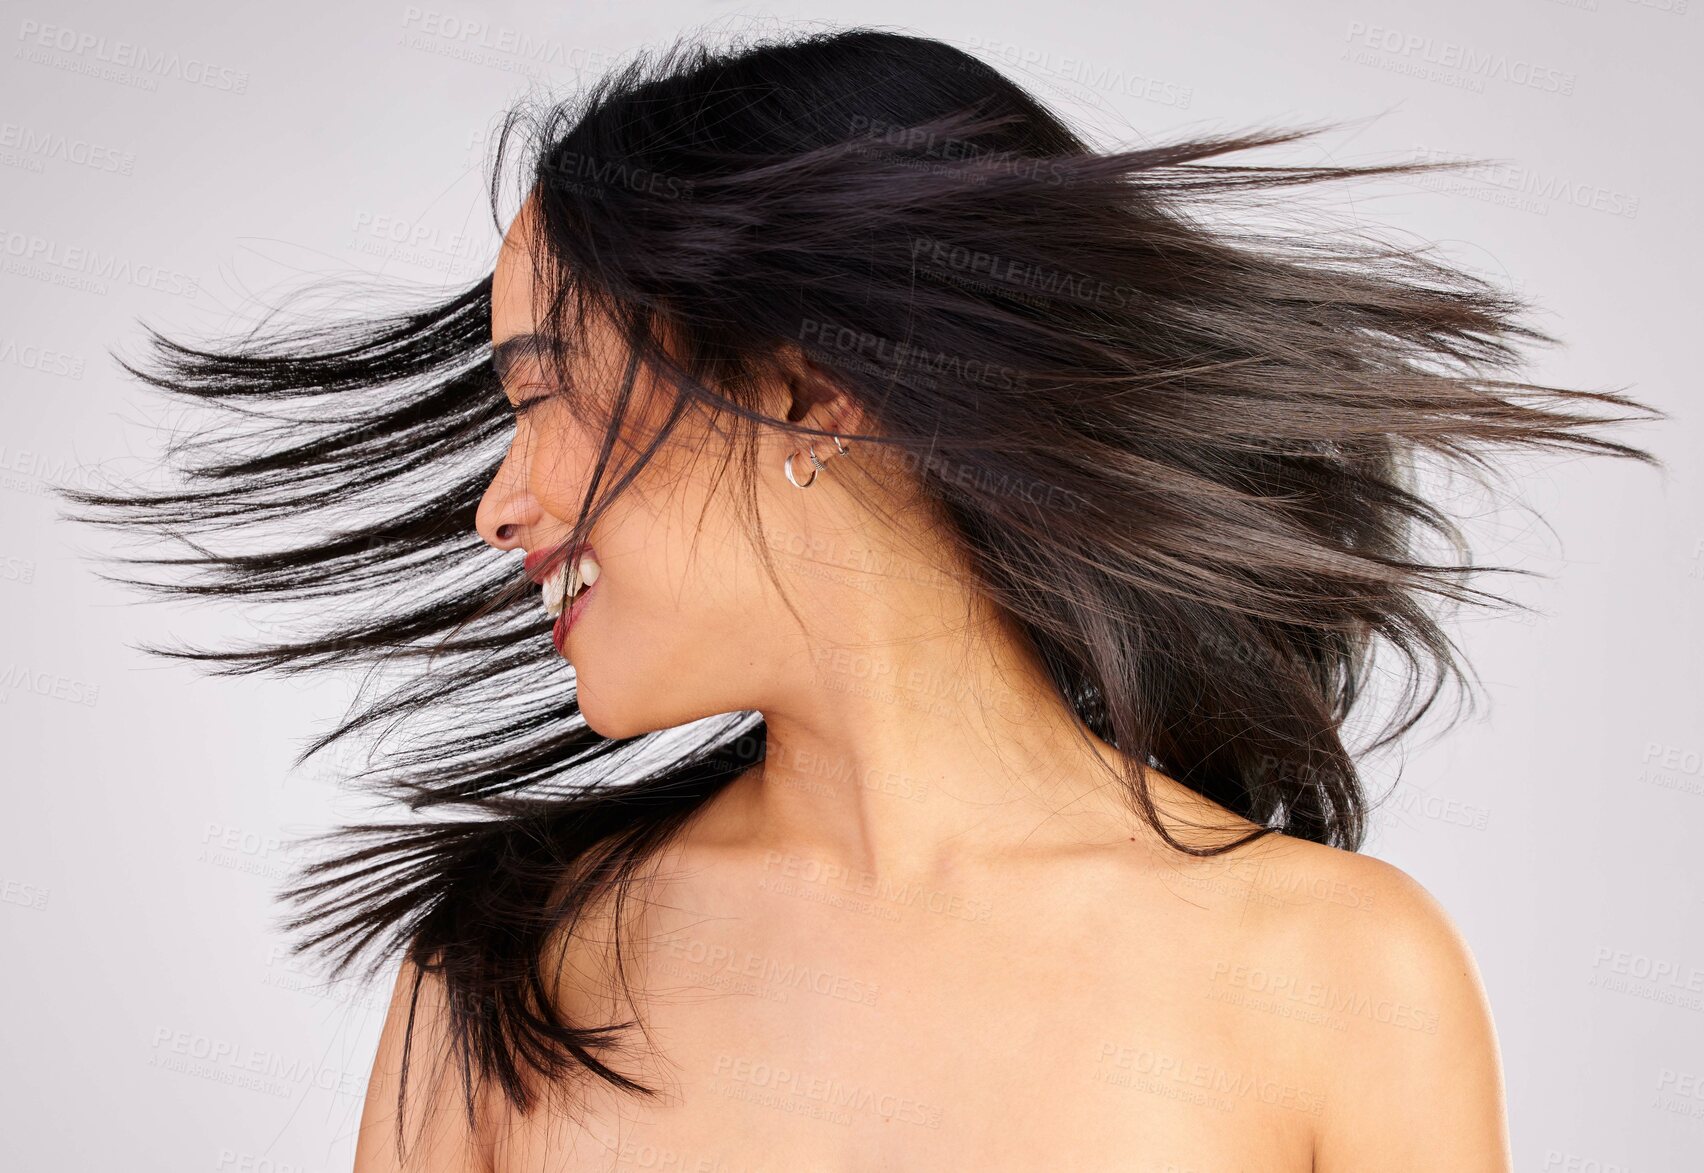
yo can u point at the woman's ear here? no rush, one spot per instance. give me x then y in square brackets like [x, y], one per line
[815, 398]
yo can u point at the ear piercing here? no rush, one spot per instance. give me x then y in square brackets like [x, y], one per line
[816, 463]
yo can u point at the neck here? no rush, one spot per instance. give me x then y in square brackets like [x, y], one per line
[923, 737]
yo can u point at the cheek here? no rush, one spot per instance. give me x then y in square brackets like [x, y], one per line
[558, 460]
[683, 621]
[559, 445]
[683, 554]
[684, 575]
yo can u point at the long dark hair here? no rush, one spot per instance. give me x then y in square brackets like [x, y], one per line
[1183, 457]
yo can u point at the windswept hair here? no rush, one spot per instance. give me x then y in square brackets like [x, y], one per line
[1183, 457]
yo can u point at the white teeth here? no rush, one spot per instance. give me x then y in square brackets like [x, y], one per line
[555, 587]
[564, 582]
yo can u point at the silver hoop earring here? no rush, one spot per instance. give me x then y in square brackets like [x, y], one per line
[816, 463]
[788, 466]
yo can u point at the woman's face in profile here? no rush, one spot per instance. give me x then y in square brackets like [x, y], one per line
[678, 584]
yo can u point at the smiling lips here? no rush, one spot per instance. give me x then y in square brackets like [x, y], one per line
[562, 576]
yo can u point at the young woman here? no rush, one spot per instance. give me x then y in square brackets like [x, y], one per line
[960, 561]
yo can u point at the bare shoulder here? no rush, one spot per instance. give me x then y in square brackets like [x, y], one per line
[421, 1125]
[1367, 908]
[1380, 912]
[1407, 1048]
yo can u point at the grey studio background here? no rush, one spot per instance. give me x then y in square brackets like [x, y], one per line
[174, 162]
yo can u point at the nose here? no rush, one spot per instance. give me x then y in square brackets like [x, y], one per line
[507, 510]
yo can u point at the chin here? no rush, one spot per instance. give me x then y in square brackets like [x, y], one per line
[596, 719]
[632, 708]
[613, 721]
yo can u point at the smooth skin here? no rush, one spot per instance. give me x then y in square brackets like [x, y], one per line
[929, 933]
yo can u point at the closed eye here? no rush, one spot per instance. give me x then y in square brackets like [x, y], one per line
[525, 405]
